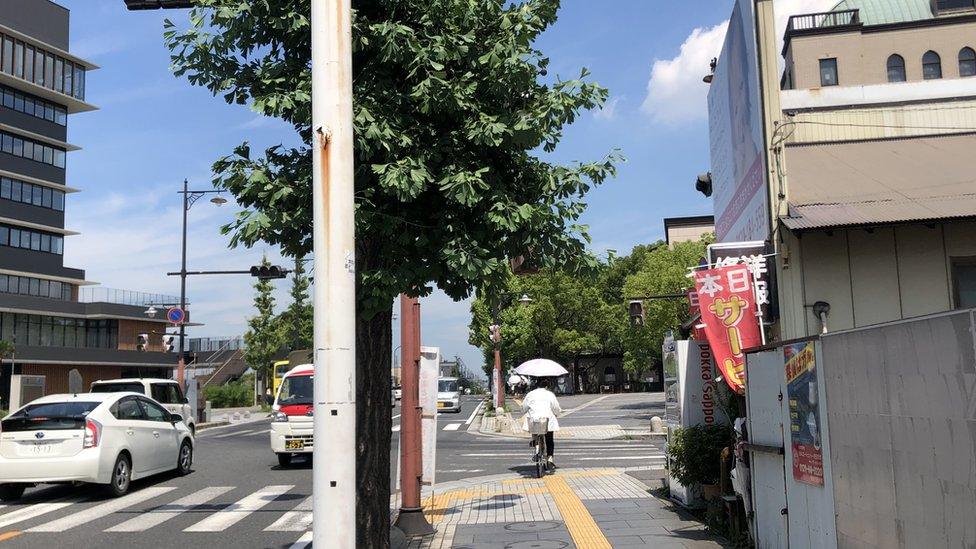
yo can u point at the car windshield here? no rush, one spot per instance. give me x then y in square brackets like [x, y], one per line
[296, 390]
[119, 388]
[447, 386]
[52, 416]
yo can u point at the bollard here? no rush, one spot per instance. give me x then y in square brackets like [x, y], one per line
[657, 426]
[207, 410]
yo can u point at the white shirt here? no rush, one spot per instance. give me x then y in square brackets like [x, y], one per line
[541, 403]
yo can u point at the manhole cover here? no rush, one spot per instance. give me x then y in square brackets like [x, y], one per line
[541, 544]
[536, 526]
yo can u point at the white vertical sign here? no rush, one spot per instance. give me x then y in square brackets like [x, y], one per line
[430, 360]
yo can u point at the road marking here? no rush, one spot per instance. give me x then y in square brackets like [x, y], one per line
[396, 416]
[235, 434]
[255, 433]
[474, 412]
[225, 518]
[302, 542]
[462, 471]
[298, 519]
[584, 405]
[102, 510]
[579, 522]
[616, 458]
[35, 510]
[396, 428]
[452, 426]
[9, 535]
[163, 513]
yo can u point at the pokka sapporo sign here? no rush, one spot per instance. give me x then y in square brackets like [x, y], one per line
[727, 301]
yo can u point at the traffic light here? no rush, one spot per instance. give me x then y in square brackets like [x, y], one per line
[268, 272]
[636, 308]
[168, 343]
[142, 342]
[157, 4]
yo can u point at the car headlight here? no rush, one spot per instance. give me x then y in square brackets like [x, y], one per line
[279, 417]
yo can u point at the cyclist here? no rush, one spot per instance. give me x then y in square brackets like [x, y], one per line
[542, 403]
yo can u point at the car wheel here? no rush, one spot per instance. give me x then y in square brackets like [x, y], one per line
[284, 460]
[185, 459]
[11, 492]
[121, 476]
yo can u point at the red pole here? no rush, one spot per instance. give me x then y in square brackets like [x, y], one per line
[411, 519]
[500, 383]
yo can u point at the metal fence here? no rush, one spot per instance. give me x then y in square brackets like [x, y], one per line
[824, 20]
[213, 344]
[99, 294]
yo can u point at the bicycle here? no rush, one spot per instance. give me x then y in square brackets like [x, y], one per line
[538, 429]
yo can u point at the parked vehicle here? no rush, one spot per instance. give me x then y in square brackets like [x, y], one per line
[291, 419]
[100, 438]
[448, 395]
[164, 391]
[397, 392]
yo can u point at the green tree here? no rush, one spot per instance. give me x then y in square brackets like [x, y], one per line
[264, 336]
[450, 115]
[6, 348]
[296, 320]
[659, 270]
[569, 317]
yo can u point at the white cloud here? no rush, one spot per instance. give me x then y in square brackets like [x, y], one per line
[609, 110]
[675, 91]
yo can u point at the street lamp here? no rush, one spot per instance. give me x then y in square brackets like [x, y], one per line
[189, 199]
[496, 337]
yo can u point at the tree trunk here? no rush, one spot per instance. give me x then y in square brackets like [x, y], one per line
[373, 430]
[374, 423]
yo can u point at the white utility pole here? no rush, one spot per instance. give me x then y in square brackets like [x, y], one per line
[333, 232]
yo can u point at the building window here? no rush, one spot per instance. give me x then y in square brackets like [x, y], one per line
[931, 66]
[38, 152]
[34, 106]
[964, 281]
[828, 72]
[28, 193]
[896, 68]
[953, 5]
[55, 331]
[26, 239]
[967, 62]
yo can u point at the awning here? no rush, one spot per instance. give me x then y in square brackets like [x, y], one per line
[878, 182]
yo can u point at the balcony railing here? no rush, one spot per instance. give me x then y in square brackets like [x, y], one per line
[207, 344]
[124, 297]
[823, 20]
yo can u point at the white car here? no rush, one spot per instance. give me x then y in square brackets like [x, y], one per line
[291, 418]
[397, 393]
[99, 438]
[164, 391]
[448, 395]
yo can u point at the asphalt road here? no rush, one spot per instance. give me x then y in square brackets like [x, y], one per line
[238, 496]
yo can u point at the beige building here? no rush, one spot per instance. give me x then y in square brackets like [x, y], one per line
[685, 229]
[872, 185]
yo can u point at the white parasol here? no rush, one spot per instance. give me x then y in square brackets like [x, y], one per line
[541, 367]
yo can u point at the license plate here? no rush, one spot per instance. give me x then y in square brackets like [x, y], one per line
[41, 448]
[295, 444]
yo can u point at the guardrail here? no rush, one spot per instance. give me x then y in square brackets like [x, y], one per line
[123, 297]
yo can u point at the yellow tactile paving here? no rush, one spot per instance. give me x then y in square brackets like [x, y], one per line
[579, 522]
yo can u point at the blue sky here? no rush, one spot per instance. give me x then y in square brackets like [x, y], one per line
[153, 130]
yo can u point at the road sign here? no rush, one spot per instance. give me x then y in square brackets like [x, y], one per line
[175, 315]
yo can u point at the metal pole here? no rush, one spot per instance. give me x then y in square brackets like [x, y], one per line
[497, 337]
[180, 365]
[334, 302]
[411, 519]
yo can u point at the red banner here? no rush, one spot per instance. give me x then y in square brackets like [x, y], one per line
[728, 306]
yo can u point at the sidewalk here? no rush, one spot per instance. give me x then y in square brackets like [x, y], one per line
[584, 508]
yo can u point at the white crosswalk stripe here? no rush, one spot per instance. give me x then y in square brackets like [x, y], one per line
[102, 510]
[396, 428]
[32, 511]
[452, 426]
[264, 432]
[236, 434]
[225, 518]
[166, 512]
[302, 542]
[298, 519]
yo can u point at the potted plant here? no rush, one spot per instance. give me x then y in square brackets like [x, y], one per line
[695, 456]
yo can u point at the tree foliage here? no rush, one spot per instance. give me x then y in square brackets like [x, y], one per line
[264, 336]
[296, 320]
[585, 314]
[6, 348]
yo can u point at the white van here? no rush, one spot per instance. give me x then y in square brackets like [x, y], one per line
[164, 391]
[292, 415]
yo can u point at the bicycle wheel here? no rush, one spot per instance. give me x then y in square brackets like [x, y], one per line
[540, 463]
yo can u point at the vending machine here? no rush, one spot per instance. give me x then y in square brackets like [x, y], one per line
[690, 399]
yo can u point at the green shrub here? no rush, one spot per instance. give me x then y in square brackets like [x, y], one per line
[695, 453]
[233, 394]
[3, 414]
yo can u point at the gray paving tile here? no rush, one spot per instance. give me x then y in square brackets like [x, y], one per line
[635, 531]
[619, 541]
[504, 536]
[622, 516]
